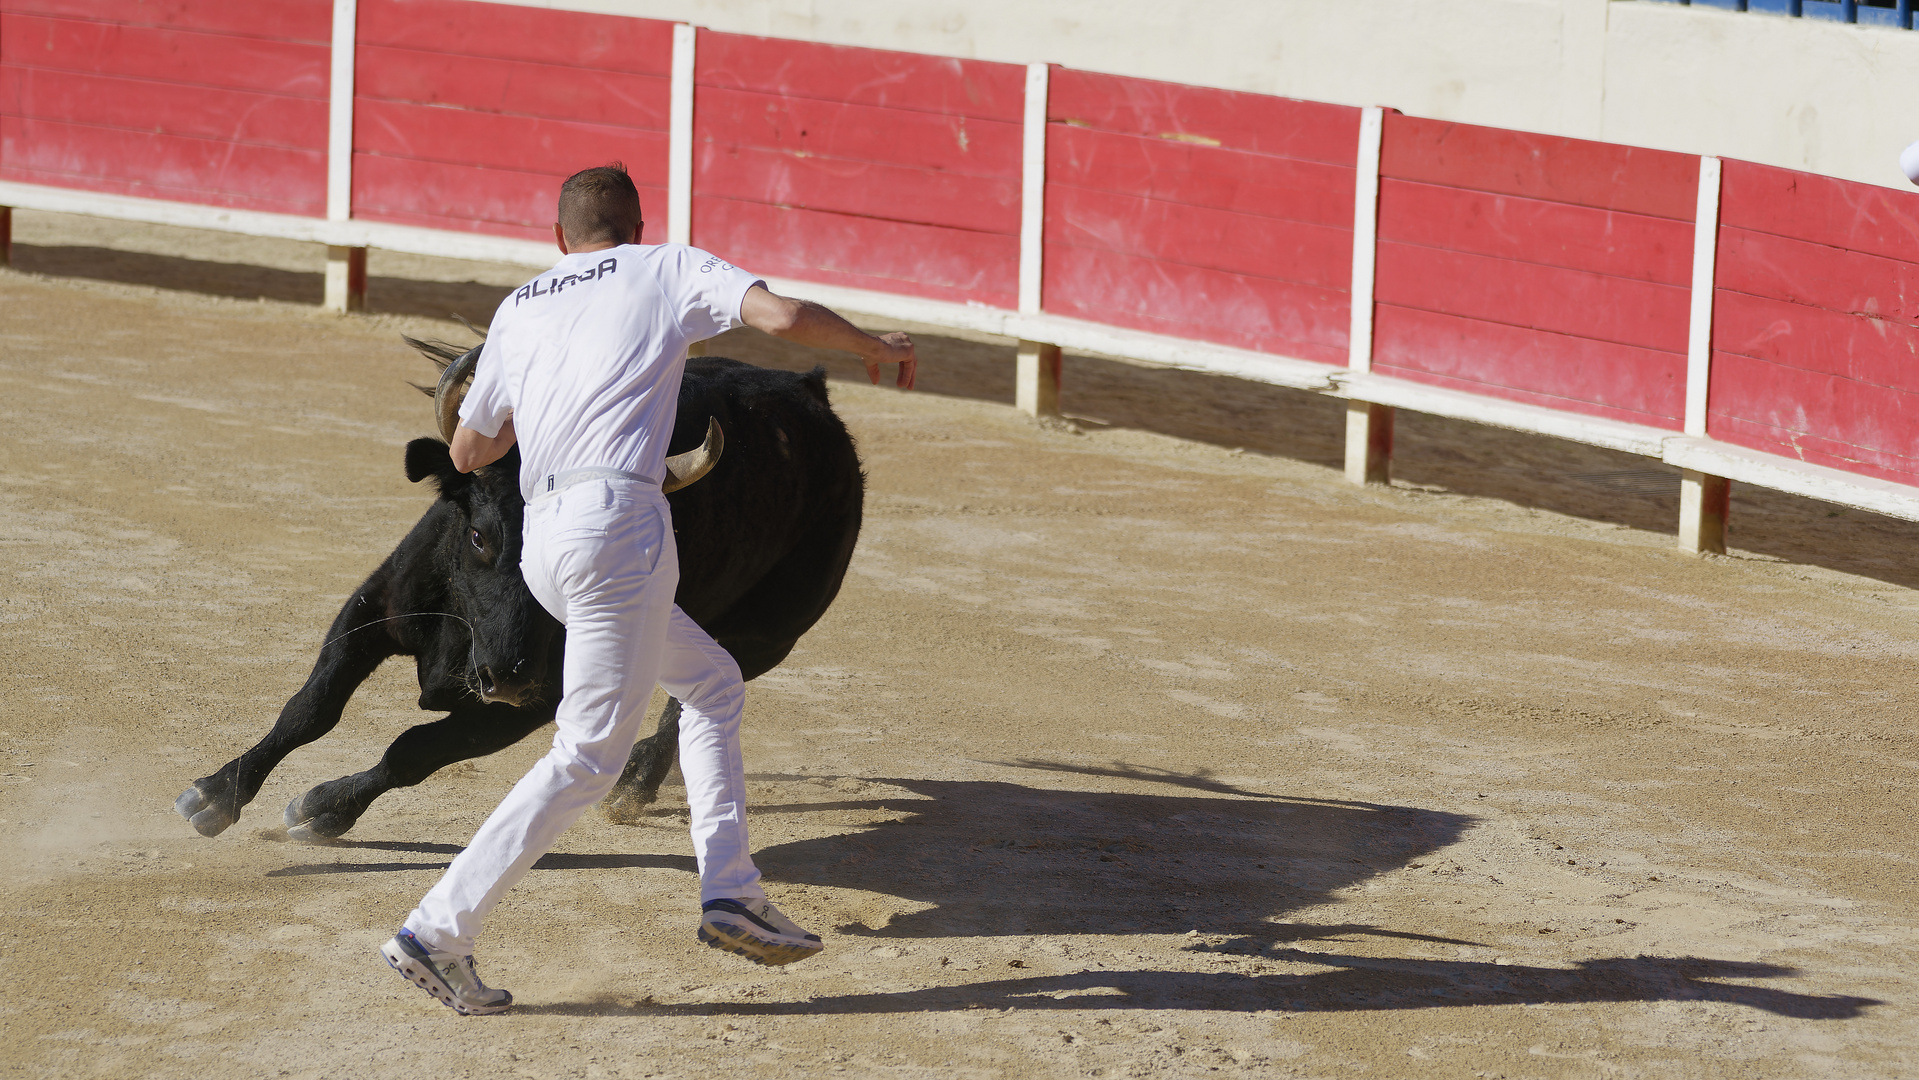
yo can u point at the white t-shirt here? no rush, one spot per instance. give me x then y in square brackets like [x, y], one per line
[587, 357]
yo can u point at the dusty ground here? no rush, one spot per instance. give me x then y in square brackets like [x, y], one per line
[1153, 749]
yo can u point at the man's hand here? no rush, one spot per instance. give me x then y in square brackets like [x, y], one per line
[894, 348]
[808, 323]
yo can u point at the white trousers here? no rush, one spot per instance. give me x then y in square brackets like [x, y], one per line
[600, 556]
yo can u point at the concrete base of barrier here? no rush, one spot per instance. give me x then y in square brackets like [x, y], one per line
[1457, 405]
[352, 234]
[1791, 475]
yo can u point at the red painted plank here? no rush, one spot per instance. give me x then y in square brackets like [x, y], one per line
[208, 171]
[458, 137]
[1574, 302]
[1199, 236]
[1872, 350]
[466, 198]
[1653, 182]
[809, 126]
[1594, 378]
[282, 20]
[1279, 317]
[1307, 130]
[1781, 268]
[509, 32]
[1816, 417]
[1822, 209]
[513, 87]
[169, 108]
[889, 256]
[862, 188]
[1245, 183]
[1833, 454]
[194, 59]
[1534, 231]
[899, 80]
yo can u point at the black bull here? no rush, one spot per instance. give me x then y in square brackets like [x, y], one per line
[764, 540]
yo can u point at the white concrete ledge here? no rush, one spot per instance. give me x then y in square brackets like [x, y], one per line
[1073, 335]
[1794, 476]
[1459, 405]
[416, 241]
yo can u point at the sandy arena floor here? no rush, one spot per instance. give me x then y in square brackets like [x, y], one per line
[1150, 748]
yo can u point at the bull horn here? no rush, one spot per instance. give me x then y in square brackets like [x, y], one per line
[452, 391]
[683, 469]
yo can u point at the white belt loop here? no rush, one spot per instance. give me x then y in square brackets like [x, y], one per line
[554, 483]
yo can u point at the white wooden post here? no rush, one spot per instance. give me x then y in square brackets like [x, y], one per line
[345, 266]
[1037, 377]
[1369, 427]
[1032, 192]
[1036, 385]
[345, 279]
[679, 144]
[1703, 499]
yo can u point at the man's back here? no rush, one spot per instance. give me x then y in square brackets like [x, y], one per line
[587, 356]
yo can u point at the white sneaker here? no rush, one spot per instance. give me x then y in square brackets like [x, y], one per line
[755, 929]
[446, 976]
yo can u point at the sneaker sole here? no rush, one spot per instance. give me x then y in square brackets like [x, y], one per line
[424, 978]
[757, 949]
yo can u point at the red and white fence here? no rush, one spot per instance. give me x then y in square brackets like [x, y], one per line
[1739, 321]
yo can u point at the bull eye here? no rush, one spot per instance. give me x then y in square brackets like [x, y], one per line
[479, 542]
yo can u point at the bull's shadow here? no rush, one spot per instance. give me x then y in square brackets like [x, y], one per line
[998, 859]
[1355, 984]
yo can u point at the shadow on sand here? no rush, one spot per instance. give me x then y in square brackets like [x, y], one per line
[999, 859]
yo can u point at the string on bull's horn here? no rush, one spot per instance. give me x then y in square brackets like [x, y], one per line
[392, 618]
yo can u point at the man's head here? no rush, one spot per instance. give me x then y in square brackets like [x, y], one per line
[599, 207]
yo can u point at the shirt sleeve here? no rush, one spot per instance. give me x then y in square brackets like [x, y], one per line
[487, 405]
[711, 292]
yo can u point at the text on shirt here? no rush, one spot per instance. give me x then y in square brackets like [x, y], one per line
[554, 285]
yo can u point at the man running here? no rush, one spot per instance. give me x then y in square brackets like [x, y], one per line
[582, 368]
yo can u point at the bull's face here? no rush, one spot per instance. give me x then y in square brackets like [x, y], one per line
[479, 555]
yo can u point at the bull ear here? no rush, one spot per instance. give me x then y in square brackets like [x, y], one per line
[428, 457]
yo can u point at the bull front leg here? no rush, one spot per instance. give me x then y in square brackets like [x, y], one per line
[328, 810]
[354, 648]
[646, 769]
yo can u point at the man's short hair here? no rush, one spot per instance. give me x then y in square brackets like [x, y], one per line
[598, 205]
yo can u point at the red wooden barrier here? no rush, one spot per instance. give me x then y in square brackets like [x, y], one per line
[467, 116]
[218, 102]
[1207, 214]
[1816, 321]
[1551, 271]
[879, 170]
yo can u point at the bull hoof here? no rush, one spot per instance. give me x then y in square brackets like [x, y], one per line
[322, 829]
[627, 806]
[198, 807]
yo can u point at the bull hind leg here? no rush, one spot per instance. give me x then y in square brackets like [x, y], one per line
[646, 769]
[328, 810]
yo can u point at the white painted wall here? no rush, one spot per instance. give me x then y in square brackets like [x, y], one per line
[1810, 95]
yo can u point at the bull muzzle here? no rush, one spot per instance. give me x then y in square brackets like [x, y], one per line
[681, 469]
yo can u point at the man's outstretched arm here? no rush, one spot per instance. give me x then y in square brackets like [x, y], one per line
[807, 323]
